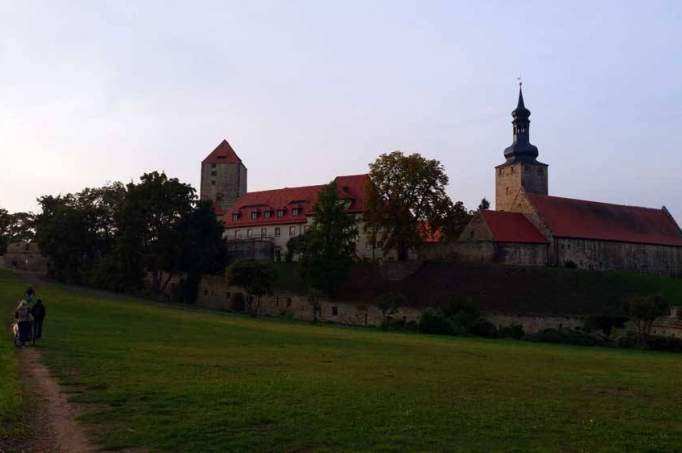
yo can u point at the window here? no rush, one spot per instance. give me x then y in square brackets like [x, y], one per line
[248, 233]
[254, 215]
[499, 171]
[306, 228]
[292, 230]
[512, 170]
[213, 183]
[280, 213]
[228, 295]
[236, 234]
[235, 216]
[267, 214]
[277, 232]
[295, 211]
[335, 310]
[213, 165]
[288, 302]
[214, 173]
[263, 232]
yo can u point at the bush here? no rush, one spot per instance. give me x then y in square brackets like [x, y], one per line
[570, 265]
[484, 328]
[628, 341]
[238, 302]
[604, 323]
[515, 331]
[661, 343]
[435, 322]
[567, 336]
[389, 304]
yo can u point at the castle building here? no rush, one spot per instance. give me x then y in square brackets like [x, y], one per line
[258, 225]
[530, 226]
[223, 177]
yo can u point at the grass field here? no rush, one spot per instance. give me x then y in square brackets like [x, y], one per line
[13, 406]
[184, 380]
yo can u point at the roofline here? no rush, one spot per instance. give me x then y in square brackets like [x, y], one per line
[537, 162]
[660, 244]
[672, 219]
[596, 202]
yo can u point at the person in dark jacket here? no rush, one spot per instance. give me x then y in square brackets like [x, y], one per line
[38, 311]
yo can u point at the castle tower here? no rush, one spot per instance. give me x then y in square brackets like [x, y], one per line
[521, 171]
[223, 176]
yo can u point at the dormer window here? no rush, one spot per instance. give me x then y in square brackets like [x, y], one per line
[267, 214]
[254, 215]
[280, 213]
[295, 211]
[235, 216]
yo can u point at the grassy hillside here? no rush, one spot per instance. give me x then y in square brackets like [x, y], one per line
[12, 406]
[183, 380]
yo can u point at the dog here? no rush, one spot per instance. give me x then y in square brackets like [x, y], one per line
[14, 328]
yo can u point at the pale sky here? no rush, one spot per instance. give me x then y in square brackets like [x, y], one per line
[98, 91]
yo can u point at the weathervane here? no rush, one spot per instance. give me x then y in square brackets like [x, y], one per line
[520, 81]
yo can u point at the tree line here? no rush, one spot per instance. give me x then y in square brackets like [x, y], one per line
[119, 235]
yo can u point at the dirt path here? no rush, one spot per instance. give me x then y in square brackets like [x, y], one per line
[56, 427]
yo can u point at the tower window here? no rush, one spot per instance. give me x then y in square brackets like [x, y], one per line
[213, 165]
[277, 232]
[212, 182]
[214, 173]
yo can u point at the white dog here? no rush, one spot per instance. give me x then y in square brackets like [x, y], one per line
[15, 329]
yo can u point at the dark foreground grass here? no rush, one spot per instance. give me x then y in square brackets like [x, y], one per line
[13, 406]
[172, 379]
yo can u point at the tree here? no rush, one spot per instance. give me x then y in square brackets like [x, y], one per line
[295, 247]
[455, 219]
[483, 205]
[643, 311]
[150, 238]
[255, 277]
[203, 250]
[405, 192]
[4, 230]
[330, 243]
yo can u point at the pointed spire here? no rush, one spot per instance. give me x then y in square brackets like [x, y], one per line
[521, 148]
[520, 104]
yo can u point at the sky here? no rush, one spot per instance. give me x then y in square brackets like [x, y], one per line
[99, 91]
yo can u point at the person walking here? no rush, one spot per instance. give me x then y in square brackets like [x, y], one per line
[23, 317]
[38, 311]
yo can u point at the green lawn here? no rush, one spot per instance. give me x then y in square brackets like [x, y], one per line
[182, 380]
[13, 408]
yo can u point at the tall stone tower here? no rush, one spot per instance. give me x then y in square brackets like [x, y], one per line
[223, 176]
[521, 171]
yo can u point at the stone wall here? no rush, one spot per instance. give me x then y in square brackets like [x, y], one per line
[532, 323]
[481, 252]
[216, 293]
[604, 256]
[222, 182]
[24, 256]
[511, 179]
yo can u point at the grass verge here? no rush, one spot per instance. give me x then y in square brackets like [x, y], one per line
[187, 380]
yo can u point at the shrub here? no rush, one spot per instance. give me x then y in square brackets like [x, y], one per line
[484, 328]
[388, 304]
[464, 314]
[570, 265]
[515, 331]
[604, 323]
[662, 343]
[238, 302]
[566, 336]
[628, 341]
[643, 310]
[435, 322]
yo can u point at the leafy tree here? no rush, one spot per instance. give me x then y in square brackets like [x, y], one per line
[483, 205]
[203, 250]
[255, 277]
[643, 311]
[5, 221]
[405, 191]
[295, 247]
[329, 244]
[456, 217]
[150, 238]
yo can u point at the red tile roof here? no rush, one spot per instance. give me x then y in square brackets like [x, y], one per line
[430, 234]
[512, 227]
[570, 218]
[351, 188]
[222, 154]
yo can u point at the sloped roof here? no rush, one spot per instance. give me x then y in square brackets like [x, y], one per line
[570, 218]
[222, 154]
[351, 188]
[512, 227]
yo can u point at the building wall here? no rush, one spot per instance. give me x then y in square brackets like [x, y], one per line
[486, 251]
[279, 235]
[511, 179]
[606, 255]
[24, 256]
[222, 183]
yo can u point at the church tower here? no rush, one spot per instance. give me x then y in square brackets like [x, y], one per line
[223, 177]
[521, 171]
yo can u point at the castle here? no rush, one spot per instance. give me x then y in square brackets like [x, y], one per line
[528, 227]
